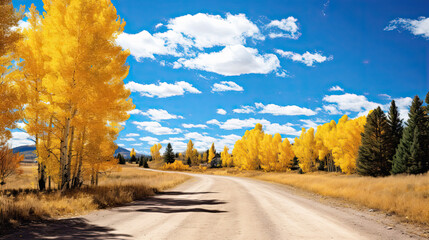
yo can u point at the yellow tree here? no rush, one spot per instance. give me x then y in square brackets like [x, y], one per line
[132, 152]
[246, 150]
[154, 151]
[226, 157]
[269, 151]
[83, 79]
[9, 163]
[348, 139]
[191, 153]
[305, 150]
[212, 153]
[11, 99]
[325, 141]
[286, 155]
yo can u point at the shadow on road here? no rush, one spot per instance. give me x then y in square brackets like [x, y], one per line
[169, 202]
[183, 193]
[76, 228]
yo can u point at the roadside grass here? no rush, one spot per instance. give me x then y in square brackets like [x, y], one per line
[114, 189]
[406, 196]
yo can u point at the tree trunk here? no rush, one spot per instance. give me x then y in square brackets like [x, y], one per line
[64, 154]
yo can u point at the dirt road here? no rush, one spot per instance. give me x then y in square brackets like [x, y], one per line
[219, 207]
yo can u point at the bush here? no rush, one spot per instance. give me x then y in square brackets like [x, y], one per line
[177, 165]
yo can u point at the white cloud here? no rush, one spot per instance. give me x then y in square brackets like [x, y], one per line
[386, 96]
[213, 122]
[203, 126]
[144, 45]
[288, 25]
[226, 86]
[416, 27]
[162, 89]
[208, 31]
[132, 135]
[137, 144]
[149, 140]
[309, 123]
[352, 102]
[203, 142]
[244, 109]
[221, 111]
[121, 145]
[270, 128]
[20, 139]
[307, 58]
[156, 114]
[290, 110]
[336, 88]
[156, 128]
[21, 25]
[403, 105]
[127, 139]
[233, 60]
[331, 109]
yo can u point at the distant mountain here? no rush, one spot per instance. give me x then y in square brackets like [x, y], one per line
[27, 151]
[124, 152]
[30, 156]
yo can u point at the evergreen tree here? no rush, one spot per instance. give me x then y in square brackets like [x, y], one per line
[145, 165]
[121, 159]
[410, 155]
[426, 135]
[133, 159]
[169, 154]
[189, 162]
[395, 130]
[373, 156]
[140, 161]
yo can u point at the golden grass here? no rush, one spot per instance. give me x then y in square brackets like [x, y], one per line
[405, 196]
[114, 189]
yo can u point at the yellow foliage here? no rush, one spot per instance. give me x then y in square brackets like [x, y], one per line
[154, 151]
[226, 157]
[177, 165]
[211, 153]
[305, 150]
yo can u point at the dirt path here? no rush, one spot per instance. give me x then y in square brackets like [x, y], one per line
[219, 207]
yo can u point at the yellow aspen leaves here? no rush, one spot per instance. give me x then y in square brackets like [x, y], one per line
[305, 150]
[226, 157]
[155, 152]
[211, 153]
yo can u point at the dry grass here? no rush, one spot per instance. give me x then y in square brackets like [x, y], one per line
[405, 196]
[115, 189]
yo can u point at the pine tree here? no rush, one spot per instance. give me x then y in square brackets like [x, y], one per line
[410, 155]
[426, 135]
[169, 154]
[372, 156]
[395, 131]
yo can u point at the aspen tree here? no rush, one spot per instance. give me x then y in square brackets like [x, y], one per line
[305, 150]
[212, 153]
[154, 151]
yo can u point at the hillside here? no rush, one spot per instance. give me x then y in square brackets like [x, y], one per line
[30, 156]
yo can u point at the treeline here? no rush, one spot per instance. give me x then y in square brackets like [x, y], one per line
[373, 145]
[63, 78]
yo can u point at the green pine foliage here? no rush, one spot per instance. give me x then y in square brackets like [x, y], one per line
[121, 159]
[373, 158]
[169, 154]
[395, 129]
[410, 155]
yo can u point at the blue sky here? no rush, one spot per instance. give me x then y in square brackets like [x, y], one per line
[208, 71]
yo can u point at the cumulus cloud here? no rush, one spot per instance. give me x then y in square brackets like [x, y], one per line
[162, 89]
[226, 86]
[270, 128]
[149, 140]
[203, 126]
[156, 128]
[418, 27]
[156, 114]
[221, 111]
[290, 110]
[145, 45]
[307, 58]
[20, 139]
[132, 135]
[288, 27]
[233, 60]
[203, 142]
[208, 31]
[361, 105]
[244, 109]
[336, 88]
[127, 139]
